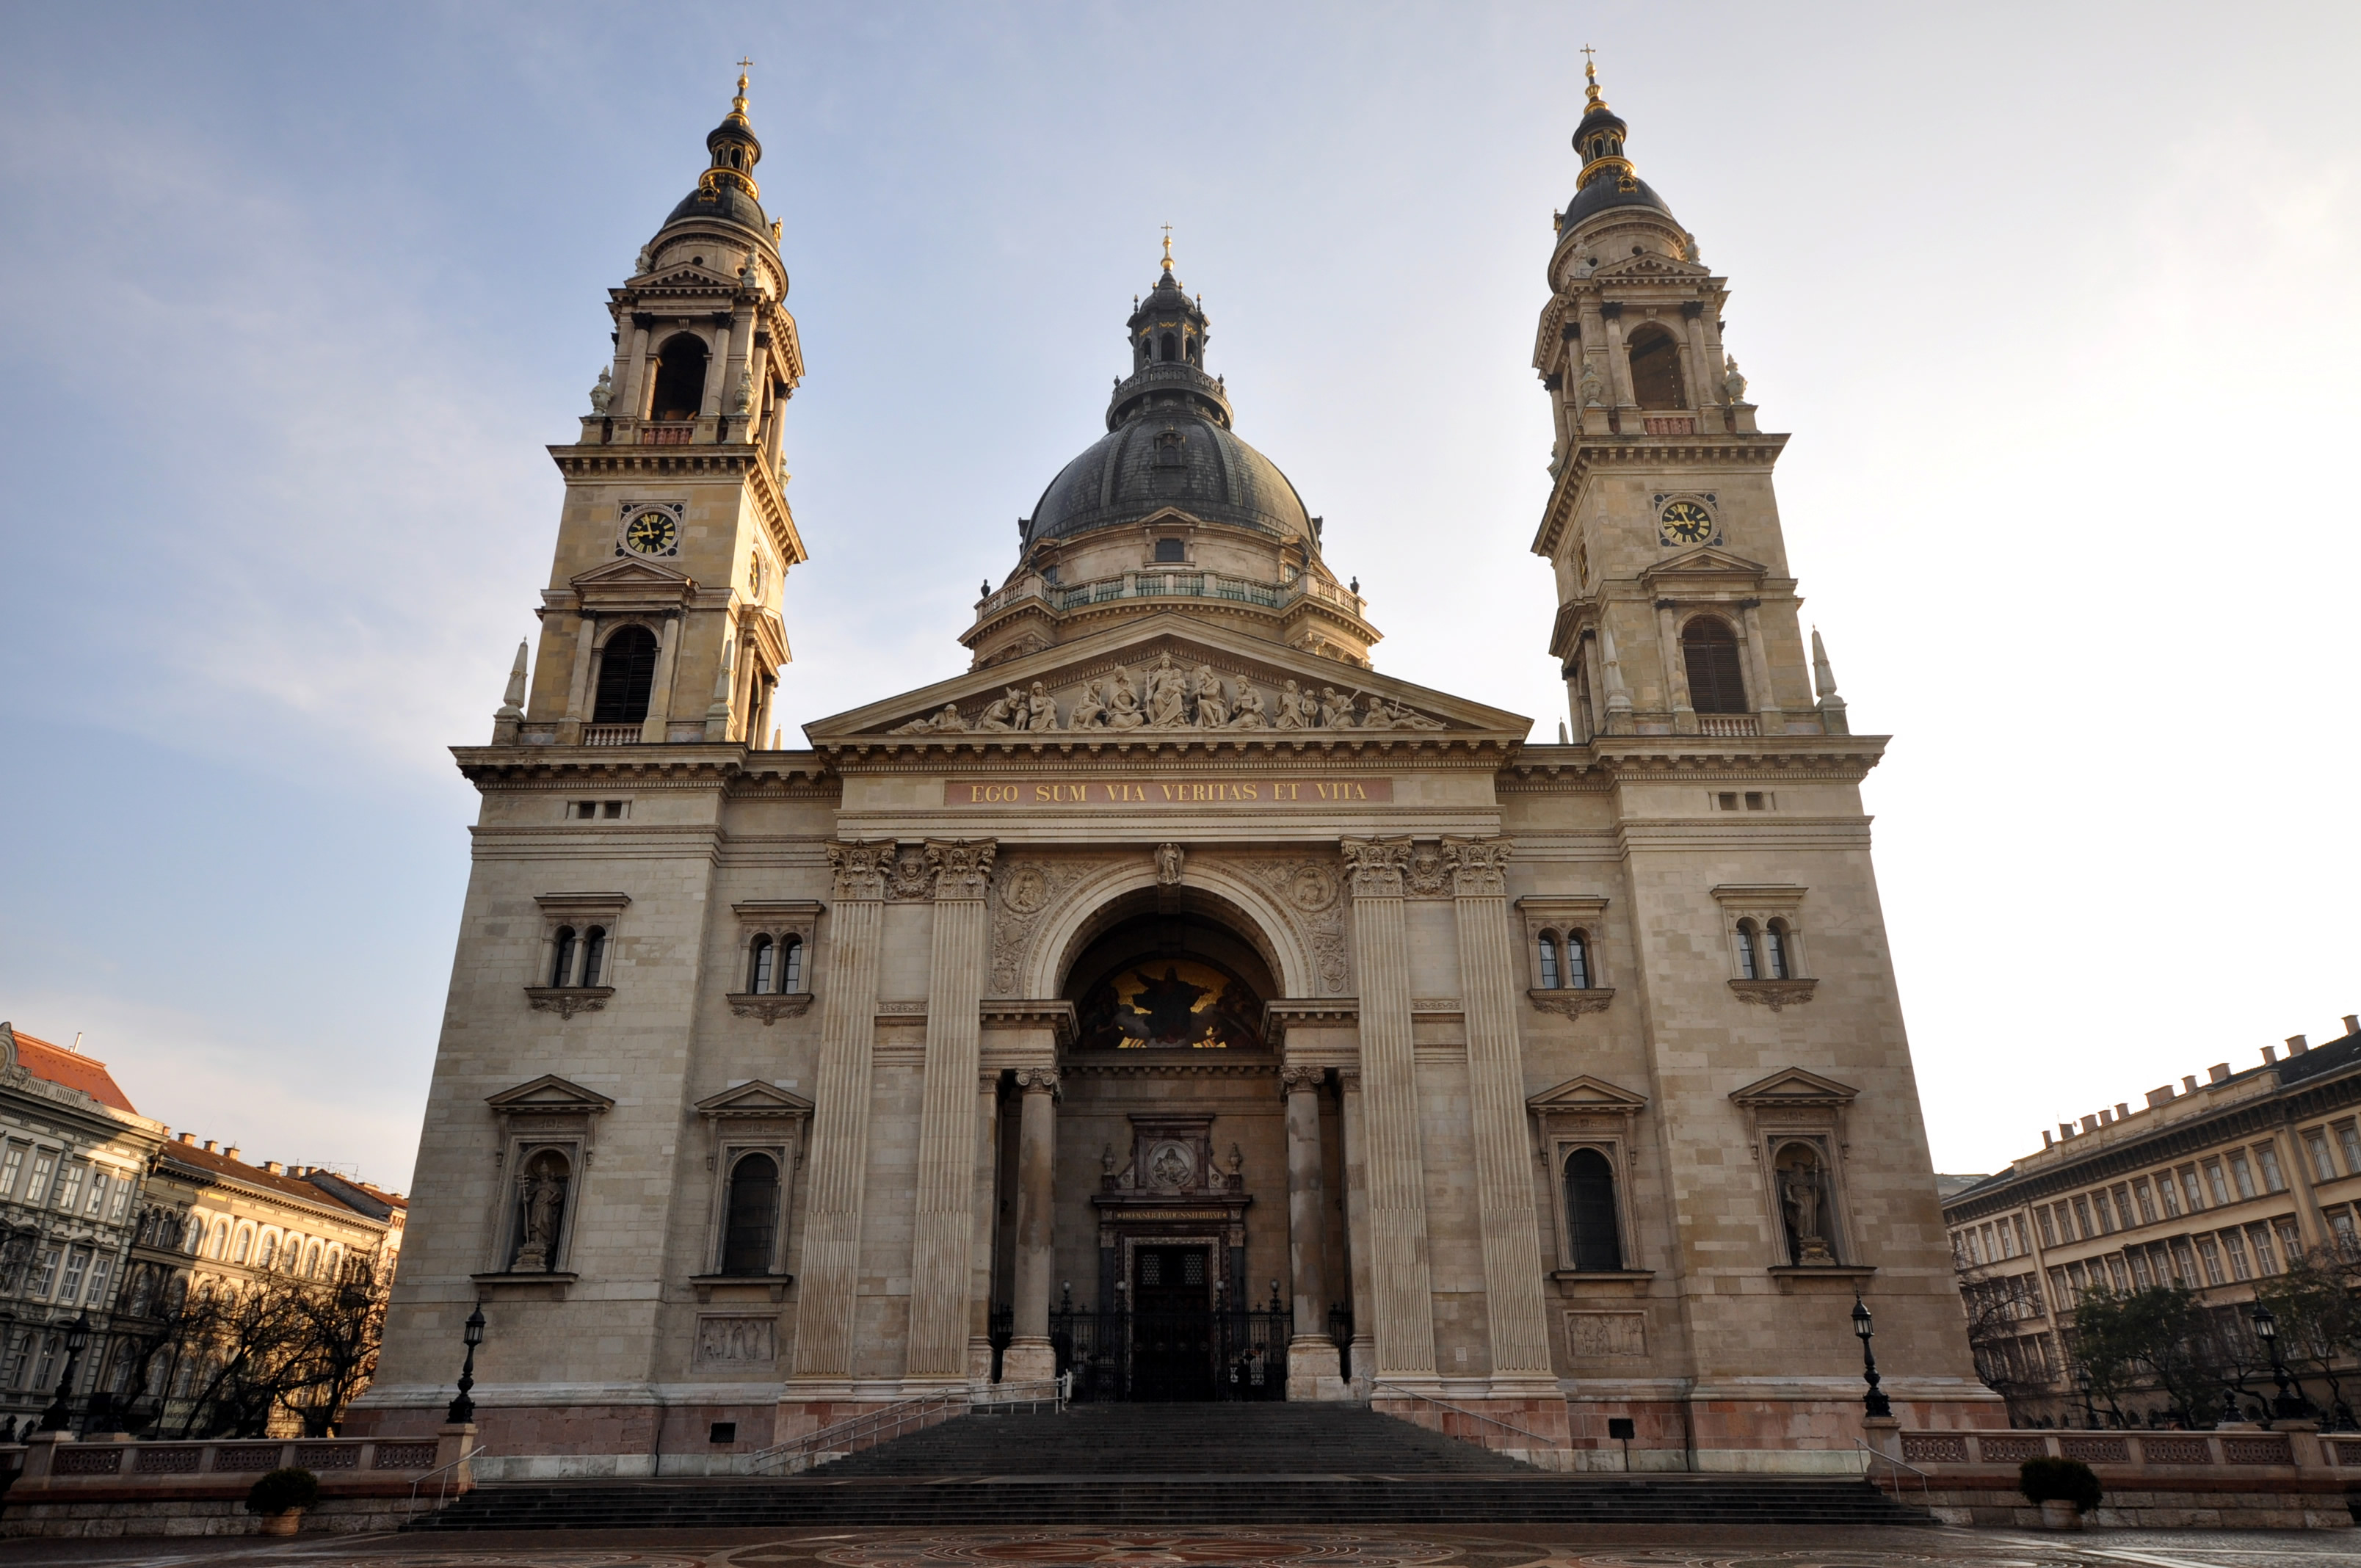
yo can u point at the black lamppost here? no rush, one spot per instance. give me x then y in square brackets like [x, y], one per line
[463, 1409]
[2090, 1411]
[1875, 1403]
[59, 1415]
[2287, 1407]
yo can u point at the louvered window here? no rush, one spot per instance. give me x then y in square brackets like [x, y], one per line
[1709, 652]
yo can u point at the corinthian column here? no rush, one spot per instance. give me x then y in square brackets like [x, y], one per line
[1311, 1353]
[940, 1261]
[1364, 1360]
[840, 1146]
[1029, 1354]
[1404, 1297]
[1496, 1079]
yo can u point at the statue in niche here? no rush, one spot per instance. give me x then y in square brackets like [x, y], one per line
[1168, 865]
[1212, 699]
[1291, 712]
[1090, 708]
[1002, 713]
[1803, 1200]
[1733, 385]
[1247, 713]
[1041, 708]
[1123, 710]
[602, 394]
[540, 1198]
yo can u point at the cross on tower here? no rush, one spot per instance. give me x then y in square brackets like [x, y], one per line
[745, 64]
[1167, 247]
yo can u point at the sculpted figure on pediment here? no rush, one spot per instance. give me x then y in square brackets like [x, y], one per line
[1090, 708]
[1002, 712]
[1293, 713]
[1041, 708]
[1167, 694]
[1247, 713]
[1122, 705]
[1374, 715]
[1336, 712]
[946, 722]
[1212, 699]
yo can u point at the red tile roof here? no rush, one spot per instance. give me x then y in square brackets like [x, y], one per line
[200, 1158]
[88, 1074]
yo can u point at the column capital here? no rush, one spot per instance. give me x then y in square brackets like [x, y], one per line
[1374, 866]
[1300, 1075]
[962, 867]
[861, 867]
[1036, 1080]
[1478, 866]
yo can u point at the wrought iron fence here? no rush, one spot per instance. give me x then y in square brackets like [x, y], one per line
[1173, 1353]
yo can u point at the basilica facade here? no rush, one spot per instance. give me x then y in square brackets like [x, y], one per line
[1175, 1000]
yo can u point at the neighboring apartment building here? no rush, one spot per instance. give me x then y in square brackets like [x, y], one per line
[72, 1155]
[2209, 1186]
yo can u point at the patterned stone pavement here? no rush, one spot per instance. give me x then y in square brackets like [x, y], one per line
[1234, 1547]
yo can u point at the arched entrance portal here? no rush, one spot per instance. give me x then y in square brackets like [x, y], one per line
[1171, 1214]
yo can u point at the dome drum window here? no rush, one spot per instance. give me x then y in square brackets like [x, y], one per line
[773, 965]
[575, 972]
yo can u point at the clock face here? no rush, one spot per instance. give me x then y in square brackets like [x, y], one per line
[652, 534]
[1684, 523]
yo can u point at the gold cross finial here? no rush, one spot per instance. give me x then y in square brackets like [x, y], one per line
[1167, 247]
[1590, 74]
[738, 104]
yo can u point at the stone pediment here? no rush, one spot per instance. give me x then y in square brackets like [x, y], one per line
[1707, 565]
[631, 584]
[1587, 1095]
[1794, 1086]
[754, 1099]
[549, 1095]
[1165, 679]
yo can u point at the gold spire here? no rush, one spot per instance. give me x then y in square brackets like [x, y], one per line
[738, 104]
[1167, 249]
[1590, 72]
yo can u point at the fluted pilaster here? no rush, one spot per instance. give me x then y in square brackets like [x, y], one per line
[941, 1261]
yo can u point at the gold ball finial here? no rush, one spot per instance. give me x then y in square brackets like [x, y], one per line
[1591, 75]
[738, 104]
[1167, 248]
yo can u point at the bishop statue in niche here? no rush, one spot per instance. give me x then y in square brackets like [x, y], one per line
[541, 1213]
[1803, 1203]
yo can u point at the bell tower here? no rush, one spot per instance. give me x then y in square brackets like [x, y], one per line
[1676, 615]
[662, 621]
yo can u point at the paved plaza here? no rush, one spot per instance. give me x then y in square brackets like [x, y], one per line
[1233, 1547]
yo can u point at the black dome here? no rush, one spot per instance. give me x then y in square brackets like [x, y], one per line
[725, 202]
[1603, 193]
[1131, 471]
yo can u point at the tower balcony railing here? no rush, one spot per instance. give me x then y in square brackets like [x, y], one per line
[1729, 726]
[666, 433]
[1172, 585]
[610, 735]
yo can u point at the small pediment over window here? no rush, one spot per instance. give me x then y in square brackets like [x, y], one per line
[1794, 1086]
[754, 1099]
[1587, 1095]
[549, 1095]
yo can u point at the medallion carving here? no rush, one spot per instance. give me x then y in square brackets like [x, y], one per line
[1310, 889]
[909, 875]
[1025, 890]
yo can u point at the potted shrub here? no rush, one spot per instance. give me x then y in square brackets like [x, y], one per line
[2064, 1489]
[280, 1498]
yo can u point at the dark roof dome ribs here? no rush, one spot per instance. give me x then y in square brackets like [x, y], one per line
[1169, 441]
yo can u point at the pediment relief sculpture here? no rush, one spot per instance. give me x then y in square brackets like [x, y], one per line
[1165, 693]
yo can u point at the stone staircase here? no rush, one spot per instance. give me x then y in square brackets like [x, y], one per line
[1131, 1465]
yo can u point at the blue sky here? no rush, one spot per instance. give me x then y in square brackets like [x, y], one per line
[2053, 300]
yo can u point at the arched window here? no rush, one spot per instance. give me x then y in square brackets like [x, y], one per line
[1775, 951]
[196, 1240]
[245, 1243]
[1748, 966]
[1710, 651]
[312, 1261]
[221, 1237]
[334, 1263]
[1578, 960]
[751, 1215]
[680, 379]
[790, 964]
[627, 675]
[761, 971]
[1656, 371]
[594, 954]
[561, 968]
[268, 1254]
[1171, 347]
[1196, 352]
[1591, 1232]
[1548, 961]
